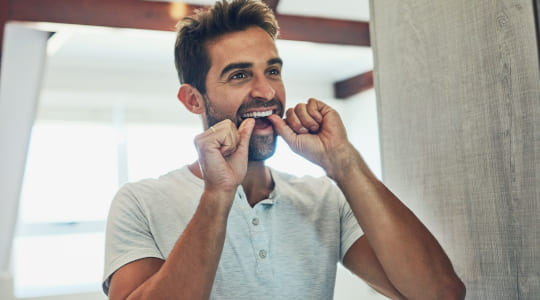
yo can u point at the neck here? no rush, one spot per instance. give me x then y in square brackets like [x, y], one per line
[258, 183]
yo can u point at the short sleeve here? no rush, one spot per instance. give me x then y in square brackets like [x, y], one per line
[128, 236]
[350, 230]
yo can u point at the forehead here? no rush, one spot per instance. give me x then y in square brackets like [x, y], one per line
[251, 45]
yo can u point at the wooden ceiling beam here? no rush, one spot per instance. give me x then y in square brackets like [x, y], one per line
[164, 16]
[110, 13]
[354, 85]
[321, 30]
[4, 17]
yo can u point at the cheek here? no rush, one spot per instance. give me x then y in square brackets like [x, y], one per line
[225, 102]
[225, 108]
[280, 93]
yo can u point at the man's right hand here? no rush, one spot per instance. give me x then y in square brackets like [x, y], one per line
[223, 155]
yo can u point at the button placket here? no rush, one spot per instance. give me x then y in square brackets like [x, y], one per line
[261, 246]
[258, 234]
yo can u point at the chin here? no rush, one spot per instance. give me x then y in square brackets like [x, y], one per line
[262, 147]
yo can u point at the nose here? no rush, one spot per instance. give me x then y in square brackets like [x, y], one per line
[262, 89]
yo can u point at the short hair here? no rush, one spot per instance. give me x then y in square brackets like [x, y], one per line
[191, 56]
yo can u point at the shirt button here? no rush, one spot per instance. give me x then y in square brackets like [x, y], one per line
[262, 254]
[255, 221]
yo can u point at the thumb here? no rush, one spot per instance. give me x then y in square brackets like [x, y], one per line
[283, 129]
[245, 130]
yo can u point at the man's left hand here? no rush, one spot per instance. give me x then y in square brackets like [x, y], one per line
[315, 131]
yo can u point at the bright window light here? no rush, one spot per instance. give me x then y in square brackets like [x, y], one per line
[154, 150]
[58, 264]
[71, 173]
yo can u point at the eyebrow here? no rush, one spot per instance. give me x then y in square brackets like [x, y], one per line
[274, 61]
[233, 66]
[246, 65]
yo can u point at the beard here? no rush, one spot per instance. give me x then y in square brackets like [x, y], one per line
[261, 147]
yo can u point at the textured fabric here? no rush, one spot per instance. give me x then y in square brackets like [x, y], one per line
[286, 247]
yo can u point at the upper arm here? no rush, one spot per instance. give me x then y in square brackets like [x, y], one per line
[132, 275]
[362, 261]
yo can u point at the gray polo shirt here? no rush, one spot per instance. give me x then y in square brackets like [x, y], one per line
[286, 247]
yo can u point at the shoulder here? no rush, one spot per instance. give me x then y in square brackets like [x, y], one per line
[180, 178]
[164, 189]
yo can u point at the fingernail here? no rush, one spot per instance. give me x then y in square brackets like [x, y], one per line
[303, 130]
[314, 128]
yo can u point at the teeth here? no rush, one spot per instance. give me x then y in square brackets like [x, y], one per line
[257, 114]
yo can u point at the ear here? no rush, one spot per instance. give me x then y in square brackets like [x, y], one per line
[191, 98]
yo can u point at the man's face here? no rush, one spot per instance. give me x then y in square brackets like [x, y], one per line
[244, 81]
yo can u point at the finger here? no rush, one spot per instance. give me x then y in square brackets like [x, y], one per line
[230, 137]
[283, 129]
[245, 130]
[305, 117]
[294, 122]
[242, 150]
[313, 108]
[225, 135]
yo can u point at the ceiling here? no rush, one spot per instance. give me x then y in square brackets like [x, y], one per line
[357, 10]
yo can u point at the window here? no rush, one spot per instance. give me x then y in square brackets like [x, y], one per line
[73, 171]
[70, 178]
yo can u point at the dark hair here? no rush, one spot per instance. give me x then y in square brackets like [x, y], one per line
[190, 52]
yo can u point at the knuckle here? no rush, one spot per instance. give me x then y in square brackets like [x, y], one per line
[289, 113]
[300, 108]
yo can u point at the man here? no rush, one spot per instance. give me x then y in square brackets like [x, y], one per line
[227, 226]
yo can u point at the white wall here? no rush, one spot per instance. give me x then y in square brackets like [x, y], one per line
[23, 60]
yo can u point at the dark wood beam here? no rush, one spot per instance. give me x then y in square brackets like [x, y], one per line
[110, 13]
[323, 30]
[164, 16]
[4, 17]
[354, 85]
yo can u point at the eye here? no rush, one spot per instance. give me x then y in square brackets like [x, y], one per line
[239, 75]
[274, 72]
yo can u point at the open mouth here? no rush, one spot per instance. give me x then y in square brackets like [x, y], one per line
[261, 122]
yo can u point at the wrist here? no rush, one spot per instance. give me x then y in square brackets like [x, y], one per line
[346, 163]
[217, 202]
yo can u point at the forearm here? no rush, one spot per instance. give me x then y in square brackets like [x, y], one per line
[189, 271]
[411, 257]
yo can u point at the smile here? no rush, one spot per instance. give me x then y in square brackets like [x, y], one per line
[257, 114]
